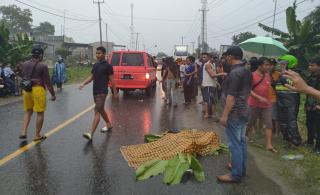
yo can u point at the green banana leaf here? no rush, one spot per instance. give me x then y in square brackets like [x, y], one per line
[197, 169]
[151, 168]
[152, 137]
[175, 169]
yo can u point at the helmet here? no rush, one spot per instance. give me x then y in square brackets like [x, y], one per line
[290, 59]
[37, 51]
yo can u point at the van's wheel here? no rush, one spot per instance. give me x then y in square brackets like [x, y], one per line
[149, 90]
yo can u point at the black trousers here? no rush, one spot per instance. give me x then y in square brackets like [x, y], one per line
[313, 125]
[188, 91]
[288, 108]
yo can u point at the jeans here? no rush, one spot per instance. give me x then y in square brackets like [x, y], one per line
[313, 125]
[288, 108]
[188, 89]
[172, 91]
[235, 131]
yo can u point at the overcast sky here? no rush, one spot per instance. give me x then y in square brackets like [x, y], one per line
[161, 22]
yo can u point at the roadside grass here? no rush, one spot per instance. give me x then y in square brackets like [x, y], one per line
[302, 175]
[76, 74]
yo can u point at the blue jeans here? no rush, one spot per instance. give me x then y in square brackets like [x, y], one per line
[235, 131]
[172, 91]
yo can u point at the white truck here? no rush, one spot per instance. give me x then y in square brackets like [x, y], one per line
[180, 51]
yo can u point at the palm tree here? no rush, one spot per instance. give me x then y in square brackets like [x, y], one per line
[302, 36]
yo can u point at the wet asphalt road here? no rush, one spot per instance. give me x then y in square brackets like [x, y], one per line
[65, 163]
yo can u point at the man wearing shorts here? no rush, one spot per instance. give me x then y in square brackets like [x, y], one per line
[35, 101]
[101, 75]
[209, 87]
[260, 100]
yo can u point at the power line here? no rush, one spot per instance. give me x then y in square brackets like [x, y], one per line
[75, 14]
[54, 14]
[249, 25]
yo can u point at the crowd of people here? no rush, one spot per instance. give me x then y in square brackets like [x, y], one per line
[264, 90]
[258, 93]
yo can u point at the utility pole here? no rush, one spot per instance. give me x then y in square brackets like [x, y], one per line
[204, 35]
[132, 36]
[192, 46]
[64, 23]
[274, 15]
[182, 40]
[99, 2]
[107, 44]
[137, 38]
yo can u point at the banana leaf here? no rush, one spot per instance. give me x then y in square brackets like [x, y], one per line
[175, 169]
[151, 168]
[152, 137]
[197, 169]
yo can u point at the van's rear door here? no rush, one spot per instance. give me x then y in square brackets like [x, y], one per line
[115, 63]
[133, 69]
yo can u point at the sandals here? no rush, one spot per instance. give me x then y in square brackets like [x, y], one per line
[23, 137]
[41, 138]
[272, 150]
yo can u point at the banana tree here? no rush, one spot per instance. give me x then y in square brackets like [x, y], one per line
[16, 50]
[301, 38]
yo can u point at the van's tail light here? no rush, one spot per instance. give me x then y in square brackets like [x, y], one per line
[147, 76]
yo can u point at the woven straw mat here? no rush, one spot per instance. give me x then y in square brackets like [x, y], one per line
[185, 142]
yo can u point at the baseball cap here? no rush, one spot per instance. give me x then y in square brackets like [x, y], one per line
[235, 51]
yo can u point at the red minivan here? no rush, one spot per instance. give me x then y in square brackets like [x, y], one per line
[133, 70]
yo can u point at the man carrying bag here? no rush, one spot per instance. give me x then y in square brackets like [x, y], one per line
[34, 83]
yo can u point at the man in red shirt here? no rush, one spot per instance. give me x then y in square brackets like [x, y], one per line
[260, 100]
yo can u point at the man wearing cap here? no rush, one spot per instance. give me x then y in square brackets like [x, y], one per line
[235, 92]
[35, 100]
[288, 103]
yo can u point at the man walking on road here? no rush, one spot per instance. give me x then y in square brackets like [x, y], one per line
[235, 92]
[101, 75]
[35, 99]
[172, 74]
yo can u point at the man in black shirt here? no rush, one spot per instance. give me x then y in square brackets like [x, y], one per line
[235, 92]
[101, 75]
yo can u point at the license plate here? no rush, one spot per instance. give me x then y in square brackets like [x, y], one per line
[127, 77]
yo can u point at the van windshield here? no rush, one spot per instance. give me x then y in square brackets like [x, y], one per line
[132, 59]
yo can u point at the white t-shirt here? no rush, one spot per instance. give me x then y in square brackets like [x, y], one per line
[182, 70]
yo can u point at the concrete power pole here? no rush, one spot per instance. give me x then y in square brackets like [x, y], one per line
[137, 43]
[132, 37]
[192, 47]
[107, 44]
[274, 15]
[99, 2]
[204, 35]
[64, 23]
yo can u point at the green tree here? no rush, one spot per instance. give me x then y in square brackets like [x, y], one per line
[45, 28]
[236, 39]
[302, 36]
[16, 50]
[162, 55]
[16, 19]
[64, 53]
